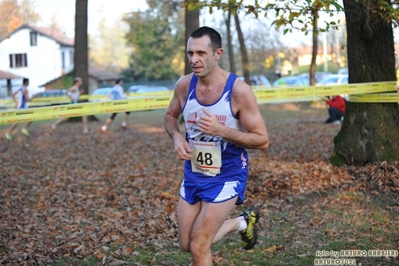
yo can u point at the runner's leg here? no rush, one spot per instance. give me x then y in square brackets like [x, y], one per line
[186, 216]
[209, 222]
[13, 126]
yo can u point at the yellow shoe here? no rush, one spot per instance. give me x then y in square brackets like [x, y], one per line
[249, 234]
[25, 132]
[8, 136]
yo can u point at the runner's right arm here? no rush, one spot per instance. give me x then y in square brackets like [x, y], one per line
[181, 147]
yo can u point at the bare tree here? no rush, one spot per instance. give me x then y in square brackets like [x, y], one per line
[81, 61]
[191, 23]
[243, 49]
[229, 40]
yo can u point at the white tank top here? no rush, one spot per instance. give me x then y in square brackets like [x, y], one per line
[232, 156]
[74, 94]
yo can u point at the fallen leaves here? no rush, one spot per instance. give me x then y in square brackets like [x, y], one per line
[67, 195]
[274, 249]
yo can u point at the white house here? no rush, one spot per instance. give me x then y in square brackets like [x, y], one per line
[39, 54]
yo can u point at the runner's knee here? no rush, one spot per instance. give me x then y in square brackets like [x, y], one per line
[185, 246]
[198, 248]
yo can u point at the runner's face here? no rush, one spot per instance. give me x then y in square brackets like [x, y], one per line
[201, 55]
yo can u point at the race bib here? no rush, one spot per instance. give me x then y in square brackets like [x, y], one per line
[207, 157]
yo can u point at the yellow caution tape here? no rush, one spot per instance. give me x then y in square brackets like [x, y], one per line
[84, 109]
[375, 98]
[262, 93]
[138, 102]
[64, 99]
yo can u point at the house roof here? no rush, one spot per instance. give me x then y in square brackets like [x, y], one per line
[102, 74]
[54, 34]
[97, 73]
[8, 75]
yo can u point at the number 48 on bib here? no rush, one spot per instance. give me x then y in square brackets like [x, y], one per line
[207, 157]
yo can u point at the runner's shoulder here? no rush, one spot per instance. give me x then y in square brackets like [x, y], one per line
[182, 85]
[241, 88]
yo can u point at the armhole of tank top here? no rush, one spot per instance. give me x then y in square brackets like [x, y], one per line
[193, 83]
[231, 80]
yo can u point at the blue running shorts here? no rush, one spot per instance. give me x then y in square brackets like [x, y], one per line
[192, 192]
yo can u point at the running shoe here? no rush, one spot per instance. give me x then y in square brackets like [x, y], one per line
[103, 129]
[249, 234]
[85, 131]
[25, 132]
[53, 127]
[123, 125]
[8, 136]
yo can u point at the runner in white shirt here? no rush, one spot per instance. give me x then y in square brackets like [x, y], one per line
[116, 94]
[73, 93]
[222, 121]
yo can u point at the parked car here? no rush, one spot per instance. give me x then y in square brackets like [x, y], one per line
[291, 81]
[51, 93]
[100, 92]
[149, 89]
[135, 88]
[318, 75]
[334, 79]
[343, 71]
[258, 80]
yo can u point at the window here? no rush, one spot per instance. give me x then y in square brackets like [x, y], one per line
[71, 57]
[63, 59]
[18, 60]
[33, 38]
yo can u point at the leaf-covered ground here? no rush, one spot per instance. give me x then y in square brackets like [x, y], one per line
[75, 199]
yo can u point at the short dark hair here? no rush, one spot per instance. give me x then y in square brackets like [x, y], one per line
[118, 80]
[214, 36]
[25, 80]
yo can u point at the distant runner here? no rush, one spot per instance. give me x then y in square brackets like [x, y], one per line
[116, 94]
[73, 93]
[21, 99]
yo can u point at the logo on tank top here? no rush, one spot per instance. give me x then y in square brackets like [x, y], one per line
[222, 119]
[192, 118]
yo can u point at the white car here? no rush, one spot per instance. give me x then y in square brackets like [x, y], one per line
[258, 81]
[334, 79]
[100, 94]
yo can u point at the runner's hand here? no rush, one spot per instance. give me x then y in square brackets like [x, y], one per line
[182, 149]
[209, 124]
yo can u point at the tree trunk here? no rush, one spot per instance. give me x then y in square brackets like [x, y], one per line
[230, 42]
[315, 36]
[192, 23]
[81, 61]
[243, 48]
[370, 132]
